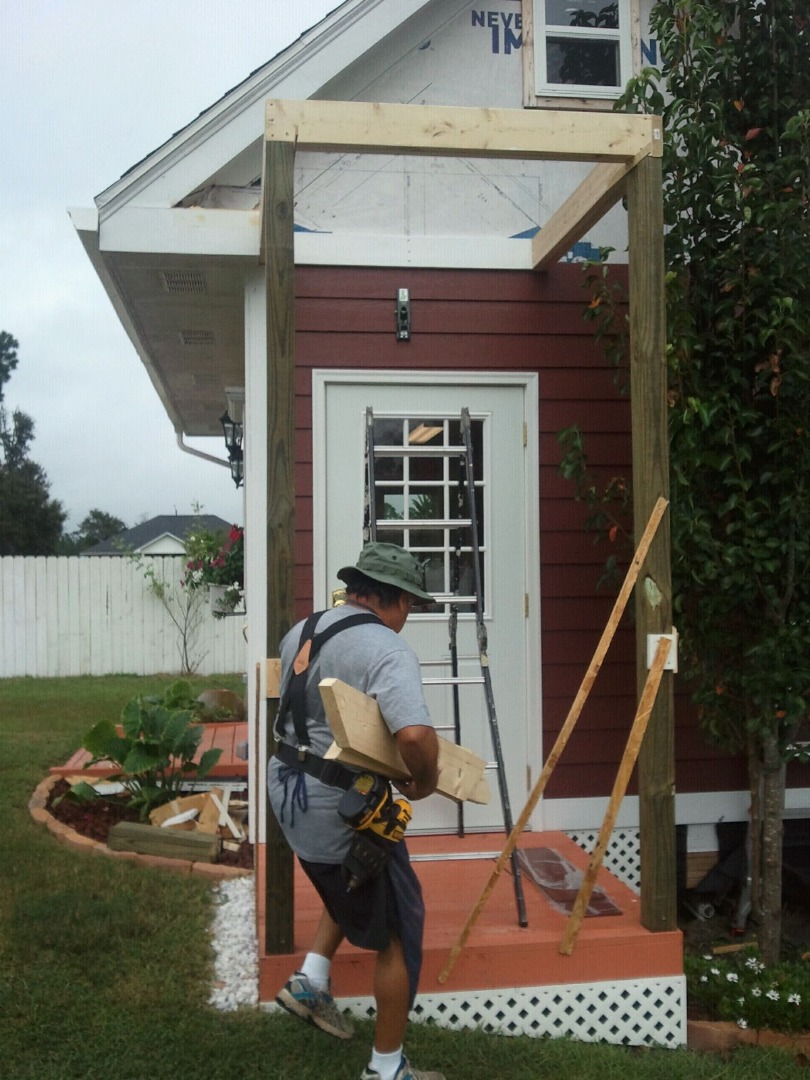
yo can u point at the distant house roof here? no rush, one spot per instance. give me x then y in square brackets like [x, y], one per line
[173, 526]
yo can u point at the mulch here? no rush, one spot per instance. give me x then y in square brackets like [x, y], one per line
[95, 819]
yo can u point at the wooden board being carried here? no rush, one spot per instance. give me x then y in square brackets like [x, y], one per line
[362, 739]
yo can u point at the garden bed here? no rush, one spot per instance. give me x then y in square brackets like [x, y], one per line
[95, 819]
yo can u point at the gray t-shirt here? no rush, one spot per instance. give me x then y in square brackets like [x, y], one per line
[374, 659]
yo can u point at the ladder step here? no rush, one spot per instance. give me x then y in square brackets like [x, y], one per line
[422, 523]
[418, 451]
[454, 680]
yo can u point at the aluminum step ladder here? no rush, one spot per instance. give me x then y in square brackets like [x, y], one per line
[466, 495]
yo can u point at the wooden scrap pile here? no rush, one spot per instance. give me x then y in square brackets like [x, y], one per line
[194, 827]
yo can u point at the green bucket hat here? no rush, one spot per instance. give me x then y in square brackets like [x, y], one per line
[393, 565]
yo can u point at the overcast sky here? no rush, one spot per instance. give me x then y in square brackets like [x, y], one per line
[88, 88]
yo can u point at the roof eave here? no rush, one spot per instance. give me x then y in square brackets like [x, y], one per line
[292, 61]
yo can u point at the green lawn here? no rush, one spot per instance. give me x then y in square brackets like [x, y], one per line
[105, 967]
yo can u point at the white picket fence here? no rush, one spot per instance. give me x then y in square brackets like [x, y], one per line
[96, 616]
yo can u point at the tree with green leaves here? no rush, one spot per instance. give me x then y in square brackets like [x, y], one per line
[95, 527]
[30, 520]
[734, 91]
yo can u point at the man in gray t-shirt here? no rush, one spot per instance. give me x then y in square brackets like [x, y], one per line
[385, 914]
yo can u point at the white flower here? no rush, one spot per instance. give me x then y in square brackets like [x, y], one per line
[742, 1023]
[708, 957]
[794, 999]
[732, 976]
[773, 995]
[715, 971]
[704, 978]
[756, 992]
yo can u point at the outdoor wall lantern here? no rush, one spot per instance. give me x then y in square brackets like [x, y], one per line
[232, 430]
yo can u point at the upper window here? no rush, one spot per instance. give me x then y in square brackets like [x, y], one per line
[581, 51]
[421, 500]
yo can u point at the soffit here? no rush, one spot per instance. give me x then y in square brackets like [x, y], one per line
[188, 315]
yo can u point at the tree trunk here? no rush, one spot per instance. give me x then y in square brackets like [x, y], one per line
[773, 798]
[755, 829]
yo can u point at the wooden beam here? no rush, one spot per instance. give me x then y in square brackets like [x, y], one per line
[363, 739]
[648, 381]
[599, 191]
[277, 246]
[370, 128]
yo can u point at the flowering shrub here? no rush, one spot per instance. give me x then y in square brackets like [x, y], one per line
[739, 987]
[214, 560]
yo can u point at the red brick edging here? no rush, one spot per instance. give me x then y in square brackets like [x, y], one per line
[720, 1036]
[65, 835]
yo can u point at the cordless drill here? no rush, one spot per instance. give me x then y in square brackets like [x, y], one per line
[379, 822]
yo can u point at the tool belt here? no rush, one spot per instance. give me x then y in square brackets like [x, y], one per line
[328, 772]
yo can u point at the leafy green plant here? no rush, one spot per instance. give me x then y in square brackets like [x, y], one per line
[183, 606]
[155, 746]
[733, 92]
[740, 988]
[608, 502]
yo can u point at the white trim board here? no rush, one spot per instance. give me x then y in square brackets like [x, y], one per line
[699, 810]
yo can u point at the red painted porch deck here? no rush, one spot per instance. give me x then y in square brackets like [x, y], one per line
[498, 954]
[225, 736]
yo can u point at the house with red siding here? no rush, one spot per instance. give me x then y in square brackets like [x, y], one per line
[427, 283]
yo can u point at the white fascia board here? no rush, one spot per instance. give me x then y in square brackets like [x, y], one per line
[695, 808]
[468, 252]
[198, 231]
[221, 133]
[700, 811]
[195, 231]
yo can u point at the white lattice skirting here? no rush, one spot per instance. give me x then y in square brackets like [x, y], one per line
[622, 857]
[641, 1012]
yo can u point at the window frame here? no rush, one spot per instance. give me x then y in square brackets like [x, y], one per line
[540, 89]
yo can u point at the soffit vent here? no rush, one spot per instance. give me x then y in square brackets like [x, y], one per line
[183, 281]
[197, 337]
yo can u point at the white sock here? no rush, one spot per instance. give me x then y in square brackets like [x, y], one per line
[316, 968]
[387, 1065]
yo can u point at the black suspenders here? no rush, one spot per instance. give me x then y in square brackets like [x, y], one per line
[294, 701]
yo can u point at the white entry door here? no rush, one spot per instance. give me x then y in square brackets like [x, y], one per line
[419, 502]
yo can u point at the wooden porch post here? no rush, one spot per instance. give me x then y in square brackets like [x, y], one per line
[279, 258]
[656, 764]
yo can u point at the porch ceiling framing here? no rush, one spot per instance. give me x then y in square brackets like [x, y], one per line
[626, 149]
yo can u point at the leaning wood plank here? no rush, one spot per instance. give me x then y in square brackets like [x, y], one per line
[357, 725]
[573, 715]
[343, 127]
[619, 788]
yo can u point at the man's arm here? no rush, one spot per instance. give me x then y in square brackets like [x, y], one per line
[419, 749]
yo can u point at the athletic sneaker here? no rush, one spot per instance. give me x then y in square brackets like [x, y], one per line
[317, 1007]
[404, 1072]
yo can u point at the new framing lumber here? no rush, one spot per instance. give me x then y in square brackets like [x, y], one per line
[621, 142]
[362, 739]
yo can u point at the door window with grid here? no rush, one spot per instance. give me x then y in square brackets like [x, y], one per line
[421, 500]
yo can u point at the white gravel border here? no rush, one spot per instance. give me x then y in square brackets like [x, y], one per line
[233, 935]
